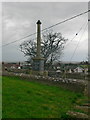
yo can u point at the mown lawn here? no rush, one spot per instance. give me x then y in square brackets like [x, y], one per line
[25, 99]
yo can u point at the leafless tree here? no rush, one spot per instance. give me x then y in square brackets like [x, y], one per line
[51, 47]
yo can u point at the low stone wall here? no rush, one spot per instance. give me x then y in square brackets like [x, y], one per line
[70, 84]
[26, 71]
[69, 75]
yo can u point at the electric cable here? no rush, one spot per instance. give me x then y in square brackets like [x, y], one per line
[47, 27]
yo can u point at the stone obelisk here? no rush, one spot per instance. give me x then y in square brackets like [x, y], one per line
[38, 39]
[38, 61]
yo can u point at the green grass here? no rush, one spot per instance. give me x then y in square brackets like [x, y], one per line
[24, 99]
[0, 97]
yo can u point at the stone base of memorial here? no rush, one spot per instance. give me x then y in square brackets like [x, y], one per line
[38, 67]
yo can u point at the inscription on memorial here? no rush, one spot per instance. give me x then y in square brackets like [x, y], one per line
[38, 65]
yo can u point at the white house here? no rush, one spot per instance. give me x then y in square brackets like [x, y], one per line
[58, 71]
[69, 71]
[79, 70]
[86, 70]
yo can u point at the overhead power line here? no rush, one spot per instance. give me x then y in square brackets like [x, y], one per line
[48, 27]
[19, 39]
[66, 20]
[77, 33]
[78, 43]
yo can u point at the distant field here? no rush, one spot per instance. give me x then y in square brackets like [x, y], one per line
[24, 99]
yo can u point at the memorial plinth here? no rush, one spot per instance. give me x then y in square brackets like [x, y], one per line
[38, 64]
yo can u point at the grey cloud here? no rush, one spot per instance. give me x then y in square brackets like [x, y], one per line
[26, 14]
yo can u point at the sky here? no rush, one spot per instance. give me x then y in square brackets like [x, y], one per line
[19, 20]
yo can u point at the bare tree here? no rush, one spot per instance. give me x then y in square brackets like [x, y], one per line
[51, 47]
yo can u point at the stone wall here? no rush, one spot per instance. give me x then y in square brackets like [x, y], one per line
[69, 75]
[70, 84]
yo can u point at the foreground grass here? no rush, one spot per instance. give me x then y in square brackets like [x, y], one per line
[0, 97]
[24, 99]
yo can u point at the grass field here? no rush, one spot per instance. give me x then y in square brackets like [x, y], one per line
[24, 99]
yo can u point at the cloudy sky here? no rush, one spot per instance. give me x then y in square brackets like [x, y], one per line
[19, 20]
